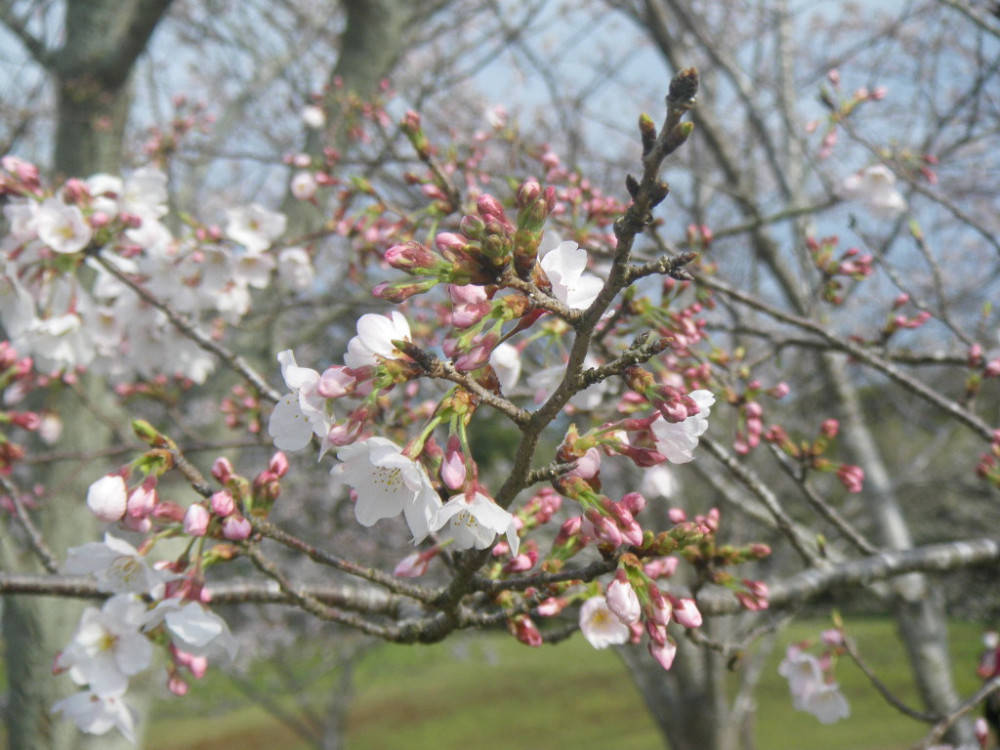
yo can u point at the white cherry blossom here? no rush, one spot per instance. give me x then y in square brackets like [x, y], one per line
[600, 626]
[875, 188]
[295, 268]
[117, 566]
[193, 628]
[95, 715]
[62, 227]
[107, 647]
[387, 484]
[565, 266]
[677, 440]
[506, 361]
[254, 227]
[475, 523]
[299, 414]
[314, 117]
[375, 336]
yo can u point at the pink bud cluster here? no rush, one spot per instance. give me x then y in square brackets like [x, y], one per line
[16, 380]
[811, 453]
[988, 468]
[850, 264]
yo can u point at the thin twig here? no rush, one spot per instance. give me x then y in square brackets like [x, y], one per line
[851, 649]
[35, 537]
[231, 360]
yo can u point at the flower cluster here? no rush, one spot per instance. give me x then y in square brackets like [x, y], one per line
[811, 682]
[53, 313]
[116, 642]
[626, 611]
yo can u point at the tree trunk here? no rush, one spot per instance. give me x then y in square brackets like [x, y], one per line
[372, 42]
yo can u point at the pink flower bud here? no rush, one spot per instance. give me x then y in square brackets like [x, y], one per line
[551, 607]
[415, 565]
[633, 502]
[177, 685]
[663, 653]
[278, 464]
[411, 256]
[236, 528]
[677, 515]
[663, 567]
[833, 637]
[852, 477]
[830, 428]
[142, 500]
[335, 382]
[571, 527]
[660, 607]
[686, 613]
[622, 600]
[222, 503]
[196, 520]
[222, 470]
[525, 630]
[588, 465]
[487, 205]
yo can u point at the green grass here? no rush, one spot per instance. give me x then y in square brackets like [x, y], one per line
[492, 693]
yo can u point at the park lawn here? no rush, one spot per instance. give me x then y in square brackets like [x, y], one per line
[492, 693]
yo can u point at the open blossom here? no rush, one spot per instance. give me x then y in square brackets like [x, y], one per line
[193, 628]
[95, 715]
[117, 566]
[677, 440]
[826, 703]
[295, 268]
[875, 188]
[304, 185]
[107, 647]
[801, 669]
[506, 362]
[810, 691]
[254, 226]
[375, 336]
[387, 483]
[299, 414]
[600, 626]
[58, 342]
[565, 266]
[145, 194]
[63, 228]
[659, 481]
[475, 523]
